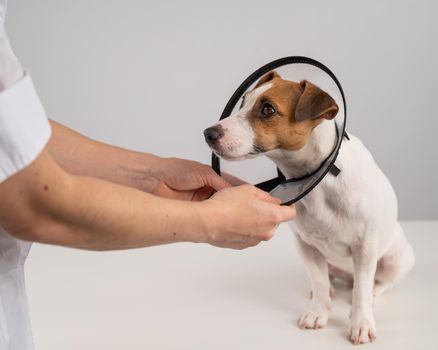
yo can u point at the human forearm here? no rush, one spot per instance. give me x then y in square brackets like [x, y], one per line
[105, 216]
[83, 156]
[43, 203]
[55, 207]
[165, 177]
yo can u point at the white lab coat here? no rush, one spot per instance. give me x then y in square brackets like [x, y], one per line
[24, 131]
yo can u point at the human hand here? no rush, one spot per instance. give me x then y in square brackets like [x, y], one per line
[188, 180]
[243, 216]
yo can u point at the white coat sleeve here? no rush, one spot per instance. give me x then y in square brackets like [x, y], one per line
[24, 127]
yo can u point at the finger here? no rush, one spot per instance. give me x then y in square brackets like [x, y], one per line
[203, 193]
[268, 235]
[162, 190]
[233, 180]
[246, 244]
[285, 213]
[213, 180]
[265, 196]
[252, 243]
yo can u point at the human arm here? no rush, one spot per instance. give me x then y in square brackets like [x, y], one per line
[43, 202]
[46, 204]
[165, 177]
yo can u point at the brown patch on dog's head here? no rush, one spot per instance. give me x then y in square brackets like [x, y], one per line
[285, 114]
[267, 77]
[315, 103]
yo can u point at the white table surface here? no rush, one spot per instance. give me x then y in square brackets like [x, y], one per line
[188, 296]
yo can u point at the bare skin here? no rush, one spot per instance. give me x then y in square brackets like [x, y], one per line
[85, 194]
[165, 177]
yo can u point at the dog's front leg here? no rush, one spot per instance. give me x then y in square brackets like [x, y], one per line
[317, 271]
[362, 329]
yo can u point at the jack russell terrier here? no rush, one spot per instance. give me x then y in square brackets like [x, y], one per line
[347, 226]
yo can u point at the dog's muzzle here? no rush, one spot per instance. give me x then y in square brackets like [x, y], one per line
[213, 134]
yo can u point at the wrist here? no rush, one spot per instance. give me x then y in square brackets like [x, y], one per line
[141, 171]
[208, 218]
[184, 221]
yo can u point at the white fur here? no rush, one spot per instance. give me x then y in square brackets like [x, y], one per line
[347, 224]
[238, 140]
[346, 227]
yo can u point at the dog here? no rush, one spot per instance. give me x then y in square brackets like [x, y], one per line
[346, 227]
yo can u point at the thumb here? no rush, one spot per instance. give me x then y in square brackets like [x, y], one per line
[265, 196]
[285, 212]
[215, 181]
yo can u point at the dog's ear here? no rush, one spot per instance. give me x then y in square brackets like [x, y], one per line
[314, 103]
[267, 77]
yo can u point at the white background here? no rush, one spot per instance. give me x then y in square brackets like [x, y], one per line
[151, 75]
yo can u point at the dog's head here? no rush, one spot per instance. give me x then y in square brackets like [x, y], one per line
[276, 114]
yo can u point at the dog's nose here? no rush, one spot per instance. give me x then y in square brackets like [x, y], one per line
[213, 133]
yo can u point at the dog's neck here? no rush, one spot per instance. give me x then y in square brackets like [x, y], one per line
[306, 160]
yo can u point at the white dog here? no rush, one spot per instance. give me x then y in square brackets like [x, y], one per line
[347, 226]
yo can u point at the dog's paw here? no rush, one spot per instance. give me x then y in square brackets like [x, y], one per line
[362, 330]
[313, 319]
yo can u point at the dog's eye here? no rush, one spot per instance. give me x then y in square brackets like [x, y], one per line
[268, 110]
